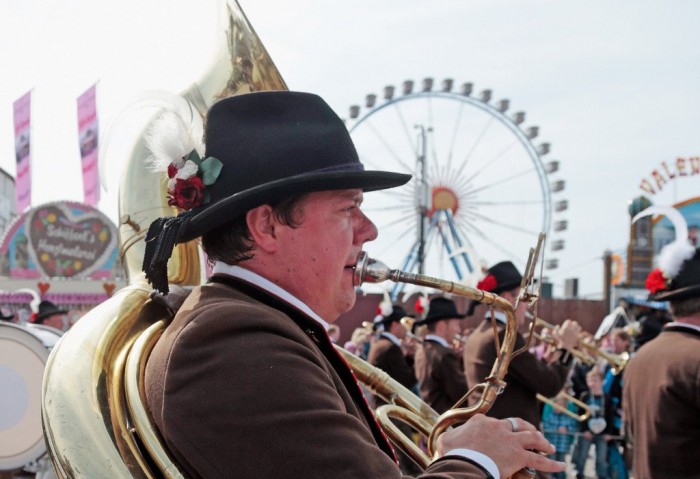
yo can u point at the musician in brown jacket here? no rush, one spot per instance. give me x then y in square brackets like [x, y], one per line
[392, 355]
[527, 375]
[661, 392]
[245, 381]
[388, 352]
[438, 365]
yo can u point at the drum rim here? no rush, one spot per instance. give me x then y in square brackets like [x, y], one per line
[38, 449]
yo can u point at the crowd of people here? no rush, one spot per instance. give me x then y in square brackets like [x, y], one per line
[247, 380]
[584, 416]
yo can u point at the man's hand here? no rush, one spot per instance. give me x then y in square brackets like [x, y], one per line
[409, 346]
[568, 334]
[511, 451]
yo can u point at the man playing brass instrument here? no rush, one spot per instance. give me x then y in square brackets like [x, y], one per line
[527, 375]
[438, 365]
[389, 352]
[392, 354]
[245, 381]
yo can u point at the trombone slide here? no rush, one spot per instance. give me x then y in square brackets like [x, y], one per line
[563, 409]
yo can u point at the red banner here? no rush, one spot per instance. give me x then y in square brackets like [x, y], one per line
[23, 180]
[88, 134]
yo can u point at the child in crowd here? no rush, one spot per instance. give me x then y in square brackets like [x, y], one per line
[597, 430]
[559, 429]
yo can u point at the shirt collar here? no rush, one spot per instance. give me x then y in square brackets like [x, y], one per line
[499, 315]
[264, 283]
[391, 337]
[678, 324]
[437, 339]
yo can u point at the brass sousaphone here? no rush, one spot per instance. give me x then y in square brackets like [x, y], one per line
[92, 425]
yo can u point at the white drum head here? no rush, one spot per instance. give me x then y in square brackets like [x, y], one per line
[22, 360]
[48, 335]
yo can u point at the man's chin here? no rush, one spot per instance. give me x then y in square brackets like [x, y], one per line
[349, 300]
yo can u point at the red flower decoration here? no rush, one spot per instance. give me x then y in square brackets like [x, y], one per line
[420, 305]
[656, 281]
[489, 283]
[172, 170]
[188, 193]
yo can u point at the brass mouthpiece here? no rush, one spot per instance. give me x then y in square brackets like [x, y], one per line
[369, 270]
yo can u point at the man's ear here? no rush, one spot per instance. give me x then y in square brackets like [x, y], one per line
[261, 223]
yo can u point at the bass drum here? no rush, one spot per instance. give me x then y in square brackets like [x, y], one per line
[23, 357]
[48, 335]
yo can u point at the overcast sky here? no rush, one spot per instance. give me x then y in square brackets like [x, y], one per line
[613, 85]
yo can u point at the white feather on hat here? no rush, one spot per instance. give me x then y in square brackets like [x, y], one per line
[386, 307]
[674, 254]
[36, 299]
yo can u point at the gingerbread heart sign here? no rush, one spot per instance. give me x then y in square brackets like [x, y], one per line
[67, 241]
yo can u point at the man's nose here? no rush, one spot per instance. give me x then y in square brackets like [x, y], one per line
[366, 231]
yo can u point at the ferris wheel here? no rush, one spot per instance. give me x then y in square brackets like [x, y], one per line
[481, 190]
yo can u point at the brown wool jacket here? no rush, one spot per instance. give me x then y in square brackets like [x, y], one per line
[527, 375]
[244, 385]
[390, 358]
[440, 375]
[661, 400]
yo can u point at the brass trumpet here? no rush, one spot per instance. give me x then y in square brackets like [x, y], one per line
[582, 356]
[407, 322]
[587, 352]
[404, 405]
[579, 417]
[368, 326]
[617, 361]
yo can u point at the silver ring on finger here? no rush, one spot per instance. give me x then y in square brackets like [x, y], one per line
[513, 423]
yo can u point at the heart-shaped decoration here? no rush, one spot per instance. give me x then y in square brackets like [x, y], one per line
[597, 425]
[69, 240]
[43, 287]
[109, 288]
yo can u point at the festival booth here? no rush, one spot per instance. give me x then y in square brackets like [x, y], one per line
[64, 252]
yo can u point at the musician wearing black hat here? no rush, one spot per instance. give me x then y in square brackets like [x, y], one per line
[395, 357]
[245, 381]
[51, 315]
[438, 365]
[388, 352]
[661, 392]
[527, 375]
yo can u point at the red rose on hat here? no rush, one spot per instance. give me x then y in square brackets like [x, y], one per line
[188, 193]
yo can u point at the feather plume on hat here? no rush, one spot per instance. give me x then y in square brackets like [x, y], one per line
[674, 254]
[422, 306]
[386, 307]
[171, 138]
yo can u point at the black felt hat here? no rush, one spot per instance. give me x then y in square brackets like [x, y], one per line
[272, 145]
[441, 308]
[46, 309]
[501, 277]
[686, 284]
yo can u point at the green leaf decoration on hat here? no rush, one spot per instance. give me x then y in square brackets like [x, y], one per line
[194, 156]
[211, 167]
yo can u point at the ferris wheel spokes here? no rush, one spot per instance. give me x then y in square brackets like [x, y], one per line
[479, 186]
[442, 226]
